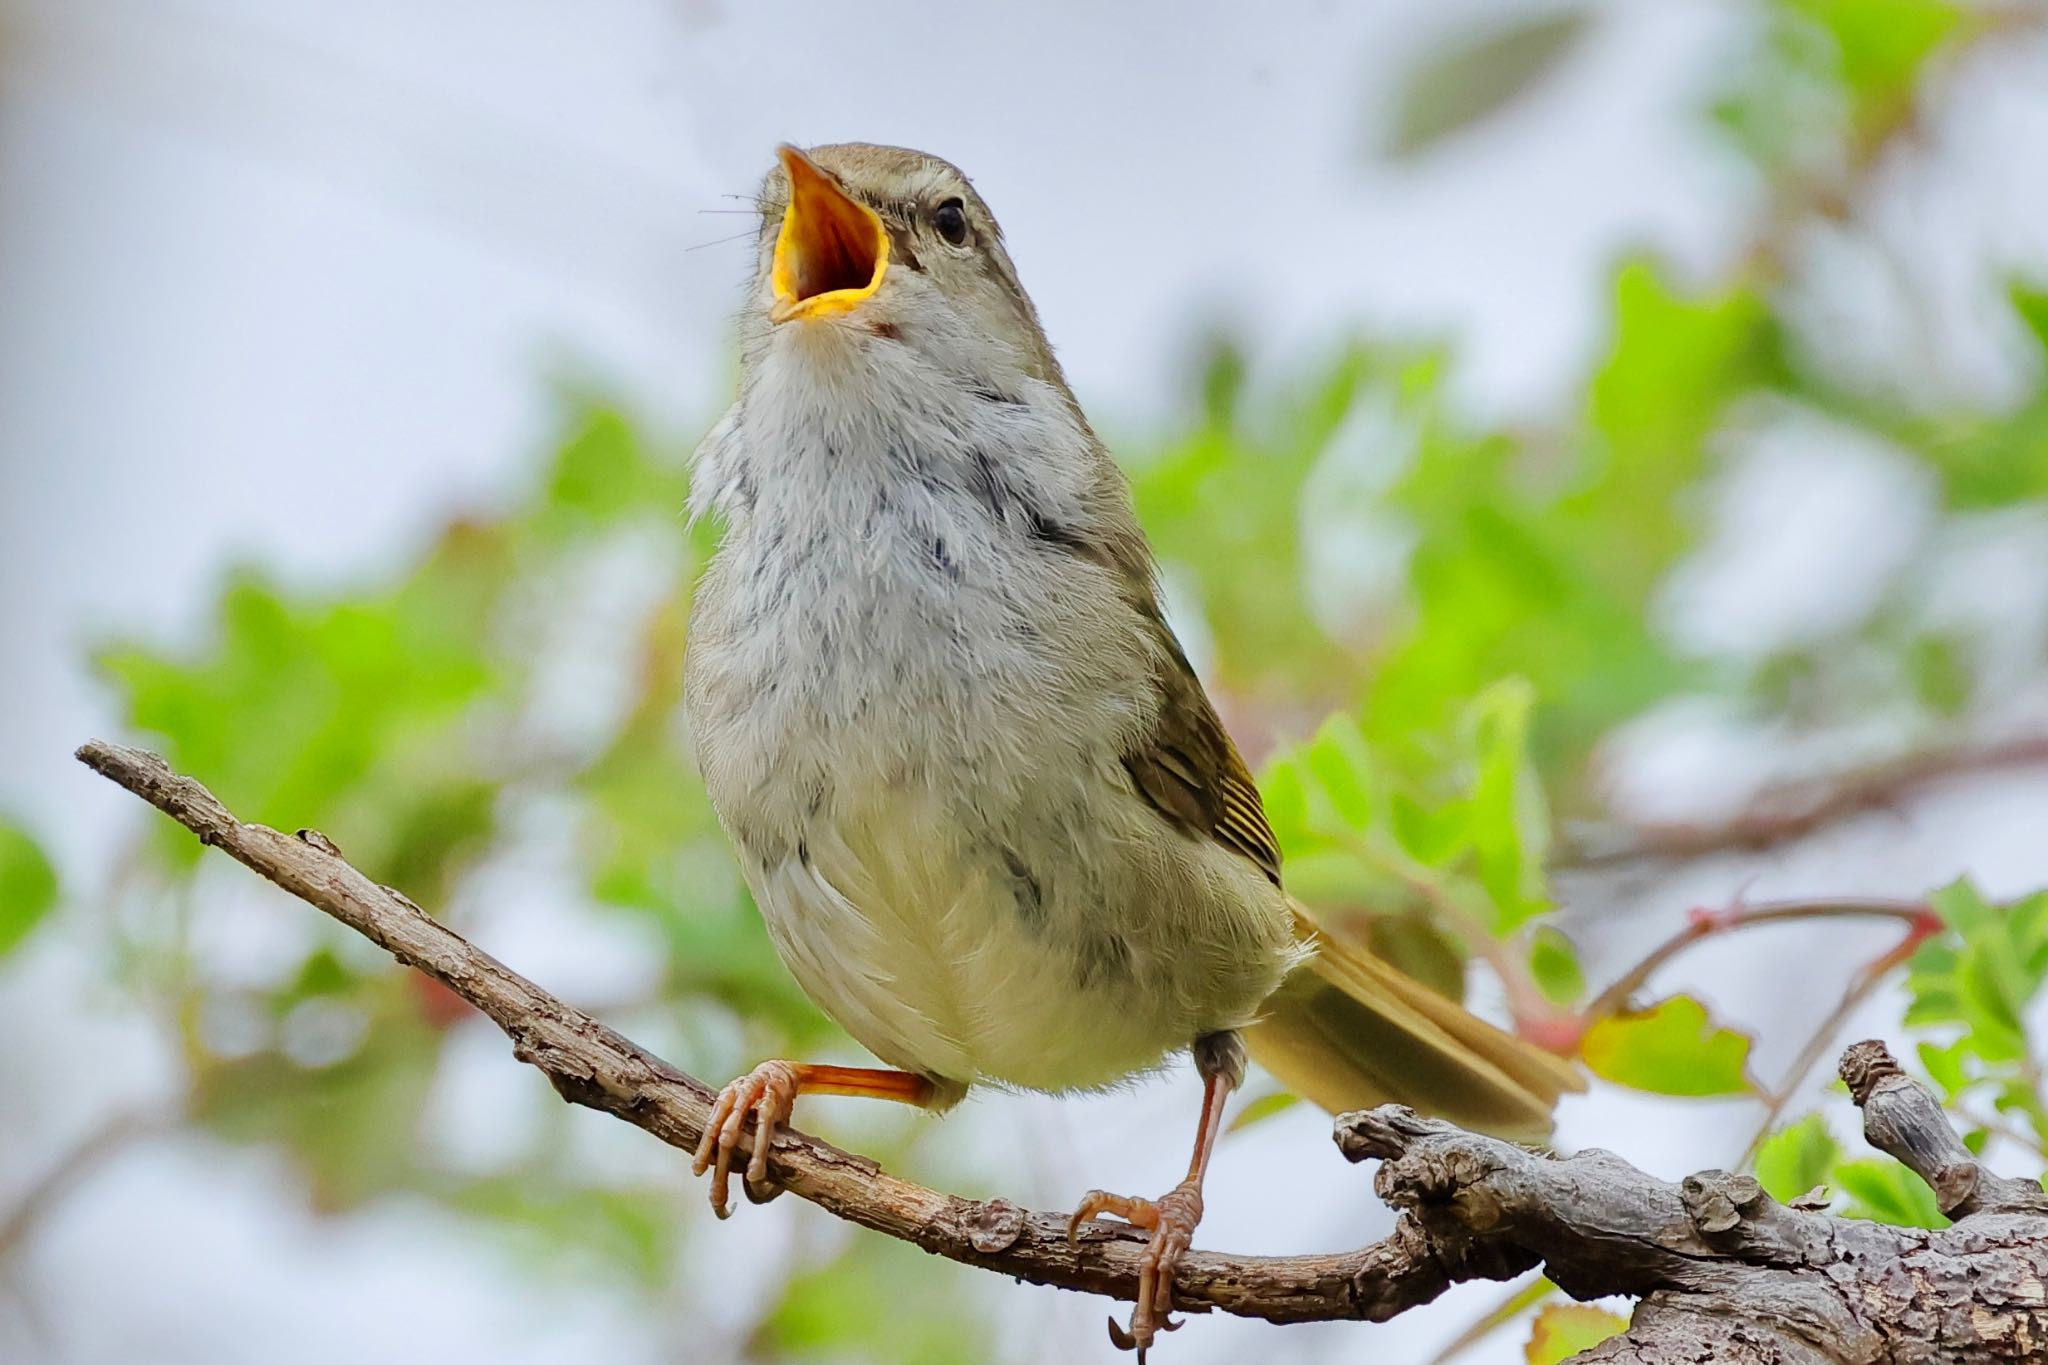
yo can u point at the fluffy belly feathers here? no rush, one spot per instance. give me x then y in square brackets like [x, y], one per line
[1012, 960]
[930, 804]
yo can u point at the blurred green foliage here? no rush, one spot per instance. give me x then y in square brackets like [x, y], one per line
[28, 886]
[1974, 987]
[1425, 740]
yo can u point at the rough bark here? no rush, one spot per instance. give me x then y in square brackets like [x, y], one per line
[1725, 1273]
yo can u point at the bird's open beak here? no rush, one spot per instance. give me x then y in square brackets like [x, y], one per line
[833, 250]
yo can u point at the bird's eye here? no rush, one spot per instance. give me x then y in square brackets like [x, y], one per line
[950, 218]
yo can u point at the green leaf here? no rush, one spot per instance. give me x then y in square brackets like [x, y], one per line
[1674, 360]
[1339, 764]
[2030, 302]
[1223, 508]
[1930, 981]
[28, 886]
[350, 714]
[1432, 836]
[1284, 791]
[1562, 1330]
[1796, 1158]
[603, 472]
[1988, 980]
[1464, 82]
[1882, 44]
[1991, 1003]
[1884, 1191]
[1977, 983]
[1510, 821]
[1669, 1049]
[1554, 962]
[1939, 670]
[1945, 1066]
[1962, 908]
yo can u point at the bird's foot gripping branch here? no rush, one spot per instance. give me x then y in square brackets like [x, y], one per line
[1723, 1273]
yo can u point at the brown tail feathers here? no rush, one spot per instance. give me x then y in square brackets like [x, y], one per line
[1348, 1032]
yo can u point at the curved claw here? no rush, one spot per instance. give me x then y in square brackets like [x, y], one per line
[1120, 1338]
[1172, 1220]
[767, 1093]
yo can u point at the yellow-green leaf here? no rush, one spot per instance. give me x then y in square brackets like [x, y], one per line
[1263, 1108]
[1672, 1048]
[1562, 1330]
[1884, 43]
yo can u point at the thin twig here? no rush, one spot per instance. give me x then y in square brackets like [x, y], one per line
[1999, 1128]
[1793, 811]
[1866, 980]
[1704, 924]
[67, 1172]
[591, 1065]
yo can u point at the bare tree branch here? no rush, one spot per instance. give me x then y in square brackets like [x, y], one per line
[1786, 813]
[591, 1065]
[1725, 1273]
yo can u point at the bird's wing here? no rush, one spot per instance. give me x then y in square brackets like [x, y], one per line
[1346, 1029]
[1191, 772]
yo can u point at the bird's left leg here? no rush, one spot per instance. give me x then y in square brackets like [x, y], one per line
[1220, 1059]
[766, 1093]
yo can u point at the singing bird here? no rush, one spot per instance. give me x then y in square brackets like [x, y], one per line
[992, 821]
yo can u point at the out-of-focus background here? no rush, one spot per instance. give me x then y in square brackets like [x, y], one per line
[1599, 455]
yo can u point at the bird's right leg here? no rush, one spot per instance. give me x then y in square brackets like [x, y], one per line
[1172, 1218]
[767, 1093]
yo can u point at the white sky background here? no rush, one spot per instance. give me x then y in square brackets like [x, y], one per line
[281, 280]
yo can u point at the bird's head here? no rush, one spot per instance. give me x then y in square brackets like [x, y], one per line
[865, 246]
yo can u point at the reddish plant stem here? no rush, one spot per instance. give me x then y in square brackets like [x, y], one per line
[1861, 986]
[1702, 924]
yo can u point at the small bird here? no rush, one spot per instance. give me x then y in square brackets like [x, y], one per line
[991, 819]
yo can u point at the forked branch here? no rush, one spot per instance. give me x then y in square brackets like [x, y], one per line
[1725, 1273]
